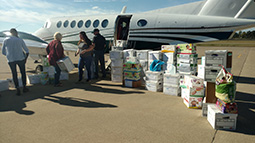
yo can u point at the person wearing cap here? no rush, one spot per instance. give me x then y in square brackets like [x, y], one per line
[99, 44]
[16, 52]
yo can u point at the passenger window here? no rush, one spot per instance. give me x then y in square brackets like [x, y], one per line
[95, 23]
[88, 23]
[66, 23]
[142, 23]
[104, 23]
[59, 24]
[73, 23]
[80, 23]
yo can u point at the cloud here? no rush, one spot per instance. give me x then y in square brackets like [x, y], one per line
[38, 11]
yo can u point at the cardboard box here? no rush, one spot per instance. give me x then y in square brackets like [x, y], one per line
[187, 58]
[154, 86]
[211, 73]
[201, 71]
[205, 109]
[184, 67]
[227, 107]
[117, 48]
[50, 70]
[33, 79]
[117, 78]
[210, 93]
[116, 54]
[133, 84]
[4, 85]
[186, 48]
[169, 68]
[229, 60]
[169, 58]
[154, 76]
[116, 63]
[117, 70]
[219, 120]
[171, 89]
[64, 76]
[130, 66]
[142, 54]
[132, 75]
[129, 53]
[216, 58]
[65, 64]
[155, 55]
[172, 79]
[191, 101]
[168, 48]
[192, 81]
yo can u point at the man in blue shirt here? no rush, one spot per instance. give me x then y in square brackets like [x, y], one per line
[16, 52]
[99, 44]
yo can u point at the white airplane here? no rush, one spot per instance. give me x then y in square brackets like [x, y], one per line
[200, 21]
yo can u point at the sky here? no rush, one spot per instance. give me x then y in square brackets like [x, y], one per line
[30, 15]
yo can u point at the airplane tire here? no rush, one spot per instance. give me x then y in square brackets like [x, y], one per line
[38, 69]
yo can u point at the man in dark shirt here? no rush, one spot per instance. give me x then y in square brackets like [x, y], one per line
[99, 44]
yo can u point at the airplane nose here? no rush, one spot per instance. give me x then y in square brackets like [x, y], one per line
[44, 34]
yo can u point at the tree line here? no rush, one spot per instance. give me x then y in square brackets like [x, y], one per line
[249, 35]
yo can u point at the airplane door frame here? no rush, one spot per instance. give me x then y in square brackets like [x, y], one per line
[122, 25]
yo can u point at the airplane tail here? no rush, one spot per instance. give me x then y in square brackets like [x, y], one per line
[229, 8]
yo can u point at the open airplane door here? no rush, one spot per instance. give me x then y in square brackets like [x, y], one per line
[121, 31]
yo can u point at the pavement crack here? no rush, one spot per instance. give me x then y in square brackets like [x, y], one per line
[214, 136]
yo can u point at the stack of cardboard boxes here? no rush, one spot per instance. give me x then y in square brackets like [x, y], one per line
[193, 91]
[154, 79]
[116, 57]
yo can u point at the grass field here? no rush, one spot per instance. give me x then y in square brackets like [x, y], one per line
[229, 43]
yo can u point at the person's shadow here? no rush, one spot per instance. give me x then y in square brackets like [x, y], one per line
[76, 102]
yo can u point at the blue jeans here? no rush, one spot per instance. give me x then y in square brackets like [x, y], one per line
[99, 56]
[22, 68]
[57, 74]
[87, 62]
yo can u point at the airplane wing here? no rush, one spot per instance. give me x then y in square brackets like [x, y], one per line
[35, 45]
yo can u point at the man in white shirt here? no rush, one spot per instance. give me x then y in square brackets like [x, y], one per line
[16, 52]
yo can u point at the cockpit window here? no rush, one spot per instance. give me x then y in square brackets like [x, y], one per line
[142, 23]
[80, 23]
[73, 23]
[59, 24]
[96, 23]
[88, 23]
[66, 23]
[104, 23]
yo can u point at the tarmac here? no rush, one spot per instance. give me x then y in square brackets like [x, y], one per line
[107, 112]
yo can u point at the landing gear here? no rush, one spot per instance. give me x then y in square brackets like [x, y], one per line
[38, 69]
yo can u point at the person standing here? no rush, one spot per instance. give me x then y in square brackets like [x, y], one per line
[16, 52]
[85, 50]
[55, 52]
[99, 43]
